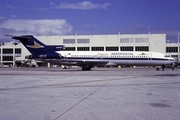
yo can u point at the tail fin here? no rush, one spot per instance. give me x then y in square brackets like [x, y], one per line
[37, 48]
[32, 44]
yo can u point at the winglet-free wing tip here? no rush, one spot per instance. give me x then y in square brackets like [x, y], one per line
[9, 35]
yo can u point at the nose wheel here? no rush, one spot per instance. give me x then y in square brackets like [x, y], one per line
[157, 69]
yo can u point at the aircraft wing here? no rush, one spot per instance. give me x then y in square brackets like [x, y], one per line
[77, 62]
[83, 62]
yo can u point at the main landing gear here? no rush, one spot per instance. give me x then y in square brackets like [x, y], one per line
[158, 68]
[86, 68]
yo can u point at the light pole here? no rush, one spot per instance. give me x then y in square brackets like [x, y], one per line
[13, 65]
[178, 48]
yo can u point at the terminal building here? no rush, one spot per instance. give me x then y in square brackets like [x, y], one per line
[10, 52]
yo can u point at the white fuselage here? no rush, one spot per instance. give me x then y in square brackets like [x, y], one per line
[105, 58]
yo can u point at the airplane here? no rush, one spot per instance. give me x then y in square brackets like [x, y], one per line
[88, 59]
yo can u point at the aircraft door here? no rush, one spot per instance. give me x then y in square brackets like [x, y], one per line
[65, 56]
[101, 57]
[149, 56]
[96, 56]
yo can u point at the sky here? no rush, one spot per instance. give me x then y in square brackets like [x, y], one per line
[70, 17]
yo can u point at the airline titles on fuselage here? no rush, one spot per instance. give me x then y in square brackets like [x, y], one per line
[124, 54]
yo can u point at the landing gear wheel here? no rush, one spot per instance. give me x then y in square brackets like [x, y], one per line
[157, 69]
[86, 68]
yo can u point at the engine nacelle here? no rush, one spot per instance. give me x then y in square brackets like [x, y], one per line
[44, 56]
[50, 56]
[32, 57]
[29, 57]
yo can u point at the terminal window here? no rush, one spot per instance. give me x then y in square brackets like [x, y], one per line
[18, 50]
[126, 40]
[82, 40]
[82, 48]
[112, 48]
[141, 48]
[68, 41]
[141, 40]
[97, 48]
[7, 58]
[171, 49]
[174, 55]
[126, 48]
[70, 48]
[8, 51]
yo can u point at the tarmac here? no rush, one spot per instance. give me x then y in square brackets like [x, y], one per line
[100, 94]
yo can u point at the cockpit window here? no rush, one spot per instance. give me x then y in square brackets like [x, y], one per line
[167, 55]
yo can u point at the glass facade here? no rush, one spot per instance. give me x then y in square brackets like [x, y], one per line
[126, 48]
[18, 51]
[82, 48]
[70, 49]
[8, 54]
[141, 40]
[112, 48]
[126, 40]
[7, 58]
[7, 51]
[79, 41]
[142, 48]
[69, 41]
[171, 49]
[97, 48]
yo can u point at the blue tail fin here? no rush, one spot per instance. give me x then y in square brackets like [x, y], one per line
[37, 48]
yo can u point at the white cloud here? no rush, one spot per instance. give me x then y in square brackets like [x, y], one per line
[13, 16]
[36, 27]
[9, 6]
[85, 5]
[90, 26]
[52, 4]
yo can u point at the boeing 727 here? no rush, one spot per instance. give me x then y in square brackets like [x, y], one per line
[89, 59]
